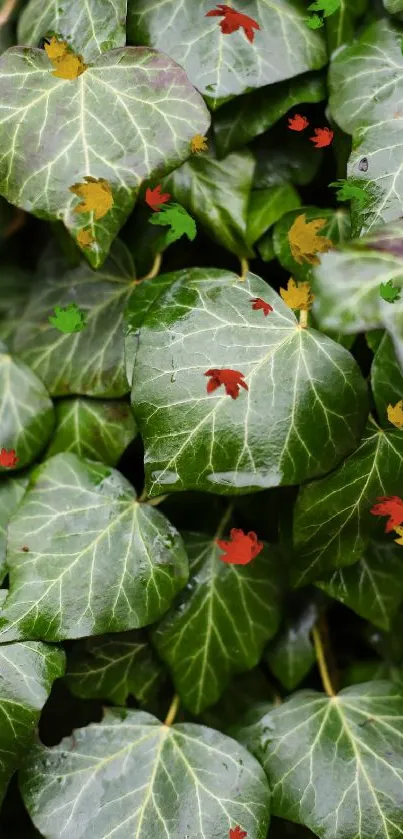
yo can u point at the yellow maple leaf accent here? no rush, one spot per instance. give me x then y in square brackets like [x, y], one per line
[198, 143]
[67, 64]
[395, 414]
[85, 238]
[297, 296]
[96, 195]
[304, 240]
[399, 531]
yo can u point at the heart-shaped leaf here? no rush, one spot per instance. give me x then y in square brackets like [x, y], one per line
[223, 66]
[267, 206]
[114, 667]
[93, 428]
[386, 379]
[219, 624]
[315, 417]
[99, 561]
[372, 587]
[115, 780]
[12, 490]
[354, 738]
[26, 411]
[56, 132]
[90, 28]
[332, 519]
[336, 228]
[291, 654]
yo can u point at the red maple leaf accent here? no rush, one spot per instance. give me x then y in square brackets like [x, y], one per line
[155, 198]
[297, 122]
[242, 548]
[233, 20]
[391, 506]
[324, 137]
[237, 833]
[258, 303]
[8, 458]
[231, 379]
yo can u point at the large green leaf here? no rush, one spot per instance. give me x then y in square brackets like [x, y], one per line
[90, 362]
[15, 285]
[336, 764]
[140, 303]
[372, 587]
[216, 193]
[291, 654]
[11, 492]
[266, 206]
[55, 132]
[341, 25]
[92, 428]
[332, 519]
[113, 667]
[90, 28]
[386, 379]
[99, 561]
[26, 410]
[337, 229]
[223, 66]
[245, 117]
[220, 622]
[132, 776]
[304, 410]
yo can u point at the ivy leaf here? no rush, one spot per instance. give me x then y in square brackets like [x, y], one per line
[332, 519]
[336, 229]
[26, 411]
[90, 28]
[297, 750]
[291, 654]
[222, 67]
[306, 435]
[124, 763]
[90, 362]
[114, 667]
[386, 379]
[96, 429]
[15, 285]
[99, 561]
[92, 127]
[140, 303]
[12, 490]
[341, 25]
[27, 673]
[266, 206]
[219, 624]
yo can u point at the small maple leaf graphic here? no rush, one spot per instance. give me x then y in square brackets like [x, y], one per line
[96, 194]
[297, 296]
[8, 458]
[323, 137]
[391, 506]
[297, 122]
[241, 549]
[155, 198]
[237, 833]
[304, 240]
[233, 20]
[314, 21]
[389, 292]
[67, 64]
[198, 143]
[258, 303]
[395, 414]
[347, 191]
[399, 531]
[179, 220]
[231, 379]
[85, 238]
[68, 319]
[328, 7]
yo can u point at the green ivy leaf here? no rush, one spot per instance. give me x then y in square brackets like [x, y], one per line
[26, 411]
[223, 66]
[99, 561]
[372, 587]
[291, 654]
[90, 362]
[114, 667]
[219, 624]
[298, 750]
[12, 490]
[267, 206]
[117, 778]
[265, 247]
[140, 303]
[281, 157]
[386, 379]
[92, 126]
[337, 229]
[15, 285]
[90, 28]
[332, 519]
[98, 430]
[341, 25]
[316, 416]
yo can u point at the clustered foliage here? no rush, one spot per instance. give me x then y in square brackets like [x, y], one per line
[201, 419]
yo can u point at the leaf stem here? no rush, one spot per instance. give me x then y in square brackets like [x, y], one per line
[320, 657]
[244, 269]
[303, 318]
[224, 521]
[173, 710]
[153, 502]
[153, 270]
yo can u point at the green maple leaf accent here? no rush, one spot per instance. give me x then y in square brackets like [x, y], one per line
[180, 221]
[389, 292]
[314, 21]
[346, 191]
[69, 319]
[328, 7]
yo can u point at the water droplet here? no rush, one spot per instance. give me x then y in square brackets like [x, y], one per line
[173, 378]
[363, 164]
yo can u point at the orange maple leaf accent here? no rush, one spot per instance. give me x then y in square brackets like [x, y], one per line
[96, 195]
[198, 143]
[67, 64]
[297, 122]
[155, 198]
[395, 414]
[323, 137]
[85, 238]
[304, 240]
[258, 303]
[297, 296]
[8, 458]
[233, 20]
[399, 531]
[241, 549]
[237, 833]
[391, 506]
[231, 379]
